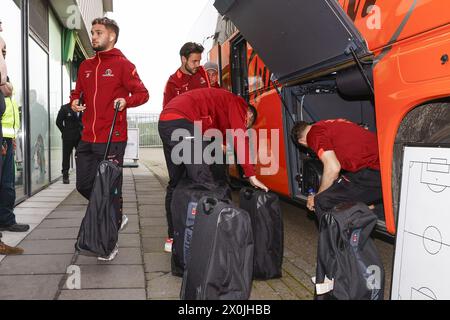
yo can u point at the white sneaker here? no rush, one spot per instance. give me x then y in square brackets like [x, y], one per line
[124, 223]
[168, 245]
[112, 256]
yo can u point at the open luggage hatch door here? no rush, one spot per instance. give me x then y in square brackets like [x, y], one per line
[296, 38]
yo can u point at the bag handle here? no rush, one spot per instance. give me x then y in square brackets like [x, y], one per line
[108, 146]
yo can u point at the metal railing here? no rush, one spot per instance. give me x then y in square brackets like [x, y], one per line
[148, 129]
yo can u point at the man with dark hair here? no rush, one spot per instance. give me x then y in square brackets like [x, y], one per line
[215, 109]
[342, 145]
[110, 25]
[106, 79]
[191, 74]
[71, 127]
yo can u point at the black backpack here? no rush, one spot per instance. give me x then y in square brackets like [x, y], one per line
[347, 260]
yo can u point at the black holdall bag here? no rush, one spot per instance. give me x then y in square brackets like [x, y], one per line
[99, 231]
[220, 266]
[268, 232]
[184, 209]
[348, 264]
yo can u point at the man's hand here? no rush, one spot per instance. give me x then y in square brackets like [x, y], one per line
[310, 203]
[123, 104]
[7, 89]
[258, 184]
[76, 107]
[14, 144]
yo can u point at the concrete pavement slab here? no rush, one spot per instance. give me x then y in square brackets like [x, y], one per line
[153, 222]
[153, 245]
[129, 241]
[35, 264]
[37, 287]
[157, 262]
[103, 294]
[61, 223]
[156, 231]
[112, 277]
[48, 247]
[164, 288]
[152, 211]
[54, 234]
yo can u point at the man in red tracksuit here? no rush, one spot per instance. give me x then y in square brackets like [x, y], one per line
[191, 74]
[106, 79]
[215, 109]
[351, 163]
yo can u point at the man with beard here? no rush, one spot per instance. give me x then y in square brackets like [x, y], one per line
[106, 79]
[191, 74]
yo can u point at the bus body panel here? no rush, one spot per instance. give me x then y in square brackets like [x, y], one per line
[383, 22]
[400, 88]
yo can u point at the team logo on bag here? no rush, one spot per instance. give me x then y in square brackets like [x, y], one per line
[354, 241]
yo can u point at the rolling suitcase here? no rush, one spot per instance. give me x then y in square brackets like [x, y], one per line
[268, 232]
[184, 208]
[99, 231]
[348, 264]
[220, 266]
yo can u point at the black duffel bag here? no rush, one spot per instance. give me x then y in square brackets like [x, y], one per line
[220, 265]
[348, 264]
[99, 231]
[268, 232]
[184, 208]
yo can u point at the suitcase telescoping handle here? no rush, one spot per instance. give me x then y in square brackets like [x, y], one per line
[108, 146]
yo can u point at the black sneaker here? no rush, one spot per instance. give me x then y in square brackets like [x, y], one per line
[15, 228]
[66, 180]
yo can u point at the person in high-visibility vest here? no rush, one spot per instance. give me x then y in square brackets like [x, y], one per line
[4, 88]
[10, 124]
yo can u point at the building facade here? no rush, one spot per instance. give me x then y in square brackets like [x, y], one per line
[46, 42]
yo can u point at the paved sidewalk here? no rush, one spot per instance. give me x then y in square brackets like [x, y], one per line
[41, 273]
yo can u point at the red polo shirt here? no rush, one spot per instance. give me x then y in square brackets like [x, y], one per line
[180, 83]
[356, 148]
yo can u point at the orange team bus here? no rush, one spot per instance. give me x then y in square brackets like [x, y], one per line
[381, 63]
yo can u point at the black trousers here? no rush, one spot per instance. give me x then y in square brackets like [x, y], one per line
[68, 147]
[88, 158]
[198, 173]
[362, 186]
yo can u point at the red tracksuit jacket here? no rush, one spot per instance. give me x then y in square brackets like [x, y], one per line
[216, 109]
[104, 78]
[180, 83]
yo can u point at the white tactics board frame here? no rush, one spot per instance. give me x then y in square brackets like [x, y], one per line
[422, 254]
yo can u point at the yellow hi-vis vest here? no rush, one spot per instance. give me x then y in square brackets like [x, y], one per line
[11, 118]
